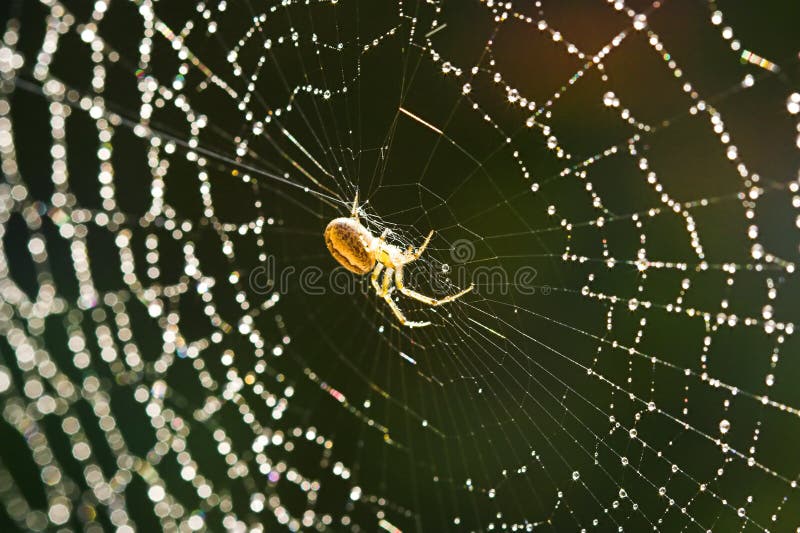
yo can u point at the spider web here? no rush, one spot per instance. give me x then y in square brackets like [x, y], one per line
[618, 179]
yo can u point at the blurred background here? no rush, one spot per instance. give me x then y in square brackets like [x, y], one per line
[174, 352]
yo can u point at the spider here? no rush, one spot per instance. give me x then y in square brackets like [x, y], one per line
[360, 252]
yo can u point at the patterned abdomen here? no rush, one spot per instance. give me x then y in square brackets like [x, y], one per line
[348, 243]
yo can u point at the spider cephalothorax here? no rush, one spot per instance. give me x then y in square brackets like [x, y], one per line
[360, 252]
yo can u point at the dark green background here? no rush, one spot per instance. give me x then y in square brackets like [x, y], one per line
[494, 402]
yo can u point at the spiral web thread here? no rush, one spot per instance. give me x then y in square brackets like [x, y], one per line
[584, 442]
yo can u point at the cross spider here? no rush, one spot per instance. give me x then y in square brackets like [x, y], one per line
[360, 252]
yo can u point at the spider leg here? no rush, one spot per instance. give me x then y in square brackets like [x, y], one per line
[376, 272]
[385, 292]
[354, 212]
[401, 317]
[386, 286]
[413, 256]
[398, 282]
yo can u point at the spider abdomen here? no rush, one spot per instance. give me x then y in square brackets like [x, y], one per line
[350, 244]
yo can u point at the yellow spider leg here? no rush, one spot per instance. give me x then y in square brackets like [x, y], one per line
[398, 282]
[354, 212]
[374, 278]
[386, 286]
[399, 314]
[413, 256]
[385, 292]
